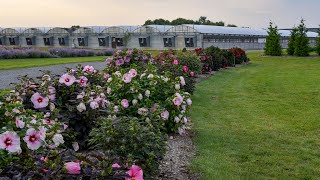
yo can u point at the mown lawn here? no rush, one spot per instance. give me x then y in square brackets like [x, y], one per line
[259, 121]
[24, 63]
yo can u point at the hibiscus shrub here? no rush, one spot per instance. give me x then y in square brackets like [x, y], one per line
[134, 140]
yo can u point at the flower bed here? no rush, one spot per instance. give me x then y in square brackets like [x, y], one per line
[21, 53]
[109, 124]
[86, 123]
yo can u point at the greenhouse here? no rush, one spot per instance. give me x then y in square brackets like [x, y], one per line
[187, 36]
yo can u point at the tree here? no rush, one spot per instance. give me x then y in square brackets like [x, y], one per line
[318, 43]
[202, 21]
[180, 21]
[291, 43]
[273, 46]
[231, 25]
[301, 43]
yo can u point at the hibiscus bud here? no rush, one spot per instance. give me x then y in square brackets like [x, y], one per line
[73, 167]
[134, 102]
[52, 107]
[81, 107]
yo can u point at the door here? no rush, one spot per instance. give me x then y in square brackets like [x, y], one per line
[114, 43]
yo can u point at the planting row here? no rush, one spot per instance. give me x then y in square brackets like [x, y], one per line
[21, 53]
[109, 124]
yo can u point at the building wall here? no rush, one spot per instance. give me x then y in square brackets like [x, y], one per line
[155, 40]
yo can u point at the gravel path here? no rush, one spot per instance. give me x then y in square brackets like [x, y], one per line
[10, 76]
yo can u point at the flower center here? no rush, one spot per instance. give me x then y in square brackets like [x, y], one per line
[32, 138]
[81, 81]
[8, 142]
[67, 80]
[40, 100]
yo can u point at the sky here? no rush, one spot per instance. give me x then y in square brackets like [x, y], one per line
[244, 13]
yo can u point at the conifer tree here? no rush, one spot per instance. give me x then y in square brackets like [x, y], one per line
[273, 46]
[291, 42]
[301, 43]
[318, 43]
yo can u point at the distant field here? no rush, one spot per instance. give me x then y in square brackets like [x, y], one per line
[6, 64]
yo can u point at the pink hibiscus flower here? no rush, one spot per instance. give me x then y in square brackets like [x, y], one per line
[83, 81]
[67, 79]
[20, 123]
[10, 141]
[108, 60]
[127, 59]
[135, 173]
[73, 167]
[177, 100]
[133, 73]
[119, 62]
[48, 121]
[106, 76]
[185, 68]
[88, 69]
[125, 103]
[39, 101]
[165, 115]
[191, 74]
[126, 78]
[176, 62]
[33, 139]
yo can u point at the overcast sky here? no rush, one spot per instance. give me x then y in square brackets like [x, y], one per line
[65, 13]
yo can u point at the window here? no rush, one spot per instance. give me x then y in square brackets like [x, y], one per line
[167, 42]
[143, 42]
[119, 41]
[12, 41]
[46, 41]
[29, 41]
[81, 41]
[0, 41]
[189, 42]
[61, 42]
[102, 41]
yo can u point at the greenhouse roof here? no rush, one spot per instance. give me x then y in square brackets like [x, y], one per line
[161, 28]
[207, 29]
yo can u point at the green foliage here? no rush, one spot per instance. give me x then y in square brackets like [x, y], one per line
[273, 46]
[201, 21]
[133, 139]
[291, 43]
[317, 47]
[301, 44]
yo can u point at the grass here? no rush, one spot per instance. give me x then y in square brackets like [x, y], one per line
[3, 91]
[259, 121]
[6, 64]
